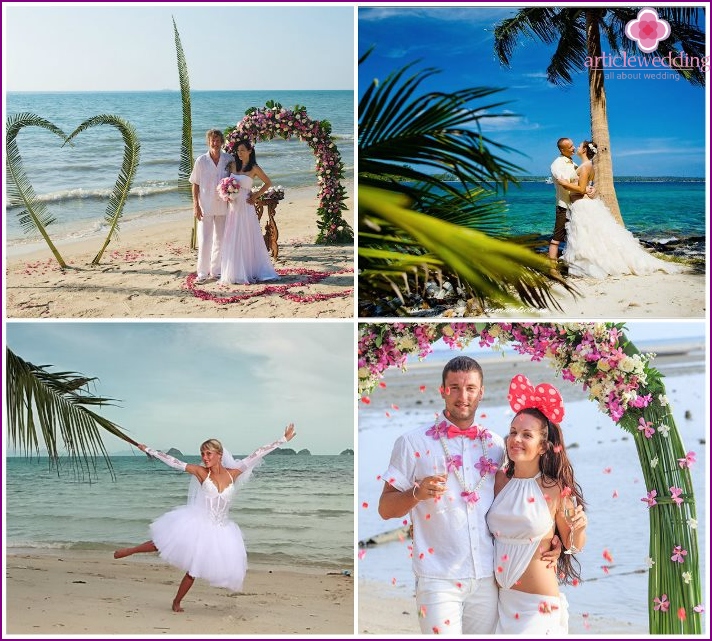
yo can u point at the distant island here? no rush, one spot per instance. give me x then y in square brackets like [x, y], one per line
[175, 453]
[304, 451]
[347, 453]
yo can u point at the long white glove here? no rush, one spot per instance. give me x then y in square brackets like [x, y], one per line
[169, 460]
[250, 461]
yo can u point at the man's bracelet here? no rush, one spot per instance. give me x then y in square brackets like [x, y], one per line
[415, 487]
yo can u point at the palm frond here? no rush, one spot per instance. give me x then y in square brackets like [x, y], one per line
[185, 166]
[122, 187]
[53, 407]
[536, 23]
[401, 136]
[494, 270]
[20, 193]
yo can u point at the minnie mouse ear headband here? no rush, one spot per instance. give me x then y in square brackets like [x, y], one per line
[544, 397]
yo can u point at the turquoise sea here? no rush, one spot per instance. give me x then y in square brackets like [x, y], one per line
[75, 182]
[281, 522]
[663, 213]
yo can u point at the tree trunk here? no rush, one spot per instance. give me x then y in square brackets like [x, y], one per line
[603, 163]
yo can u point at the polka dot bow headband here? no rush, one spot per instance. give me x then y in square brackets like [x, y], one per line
[544, 397]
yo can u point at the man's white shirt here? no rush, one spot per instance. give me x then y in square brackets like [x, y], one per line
[563, 168]
[451, 539]
[207, 175]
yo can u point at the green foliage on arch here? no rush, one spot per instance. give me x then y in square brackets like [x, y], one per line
[627, 388]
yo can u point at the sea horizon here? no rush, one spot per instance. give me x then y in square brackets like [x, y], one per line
[75, 182]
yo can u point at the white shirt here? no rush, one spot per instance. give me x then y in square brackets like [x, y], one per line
[451, 539]
[207, 175]
[563, 168]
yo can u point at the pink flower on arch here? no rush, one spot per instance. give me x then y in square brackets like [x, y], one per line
[661, 603]
[646, 427]
[678, 554]
[650, 499]
[647, 30]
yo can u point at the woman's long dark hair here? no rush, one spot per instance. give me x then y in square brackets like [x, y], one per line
[555, 469]
[251, 162]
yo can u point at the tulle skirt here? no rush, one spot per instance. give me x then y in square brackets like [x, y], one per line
[187, 538]
[597, 246]
[532, 615]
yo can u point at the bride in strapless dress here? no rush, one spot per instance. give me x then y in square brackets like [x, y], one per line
[596, 245]
[199, 537]
[244, 254]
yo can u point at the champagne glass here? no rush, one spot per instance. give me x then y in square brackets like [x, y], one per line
[569, 507]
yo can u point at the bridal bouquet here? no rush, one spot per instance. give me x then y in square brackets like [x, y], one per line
[228, 188]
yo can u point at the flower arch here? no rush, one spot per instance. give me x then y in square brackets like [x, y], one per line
[273, 120]
[599, 357]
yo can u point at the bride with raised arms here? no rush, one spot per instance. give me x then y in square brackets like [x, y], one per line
[244, 255]
[597, 246]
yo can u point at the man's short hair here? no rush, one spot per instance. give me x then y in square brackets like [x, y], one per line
[560, 143]
[214, 132]
[462, 364]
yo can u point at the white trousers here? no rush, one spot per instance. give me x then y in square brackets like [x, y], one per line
[532, 615]
[210, 234]
[460, 606]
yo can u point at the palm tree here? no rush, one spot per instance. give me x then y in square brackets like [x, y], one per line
[185, 167]
[54, 407]
[577, 34]
[414, 226]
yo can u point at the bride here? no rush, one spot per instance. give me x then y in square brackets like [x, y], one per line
[244, 254]
[597, 246]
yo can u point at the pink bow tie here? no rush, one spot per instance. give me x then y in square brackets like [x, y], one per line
[470, 432]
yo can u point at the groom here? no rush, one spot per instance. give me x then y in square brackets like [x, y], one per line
[208, 207]
[562, 168]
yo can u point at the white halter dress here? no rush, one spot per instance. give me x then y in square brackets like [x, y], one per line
[518, 520]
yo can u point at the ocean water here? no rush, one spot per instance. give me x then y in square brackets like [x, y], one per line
[282, 523]
[75, 182]
[606, 465]
[657, 211]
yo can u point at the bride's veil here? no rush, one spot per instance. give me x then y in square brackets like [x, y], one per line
[230, 463]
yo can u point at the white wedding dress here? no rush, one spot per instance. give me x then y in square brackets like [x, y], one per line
[200, 538]
[244, 255]
[597, 246]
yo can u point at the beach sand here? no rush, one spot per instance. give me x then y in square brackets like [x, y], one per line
[148, 273]
[627, 297]
[87, 593]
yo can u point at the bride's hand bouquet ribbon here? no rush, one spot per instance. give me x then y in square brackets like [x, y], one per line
[228, 188]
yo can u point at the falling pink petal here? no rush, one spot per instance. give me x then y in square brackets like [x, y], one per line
[365, 400]
[364, 505]
[393, 581]
[615, 494]
[681, 614]
[361, 554]
[607, 470]
[388, 415]
[422, 388]
[607, 555]
[394, 406]
[421, 611]
[381, 384]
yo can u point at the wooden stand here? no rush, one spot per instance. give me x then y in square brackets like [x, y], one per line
[271, 234]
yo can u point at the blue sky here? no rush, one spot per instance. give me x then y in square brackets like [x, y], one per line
[182, 383]
[131, 48]
[657, 125]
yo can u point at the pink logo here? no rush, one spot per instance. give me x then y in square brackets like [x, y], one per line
[647, 30]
